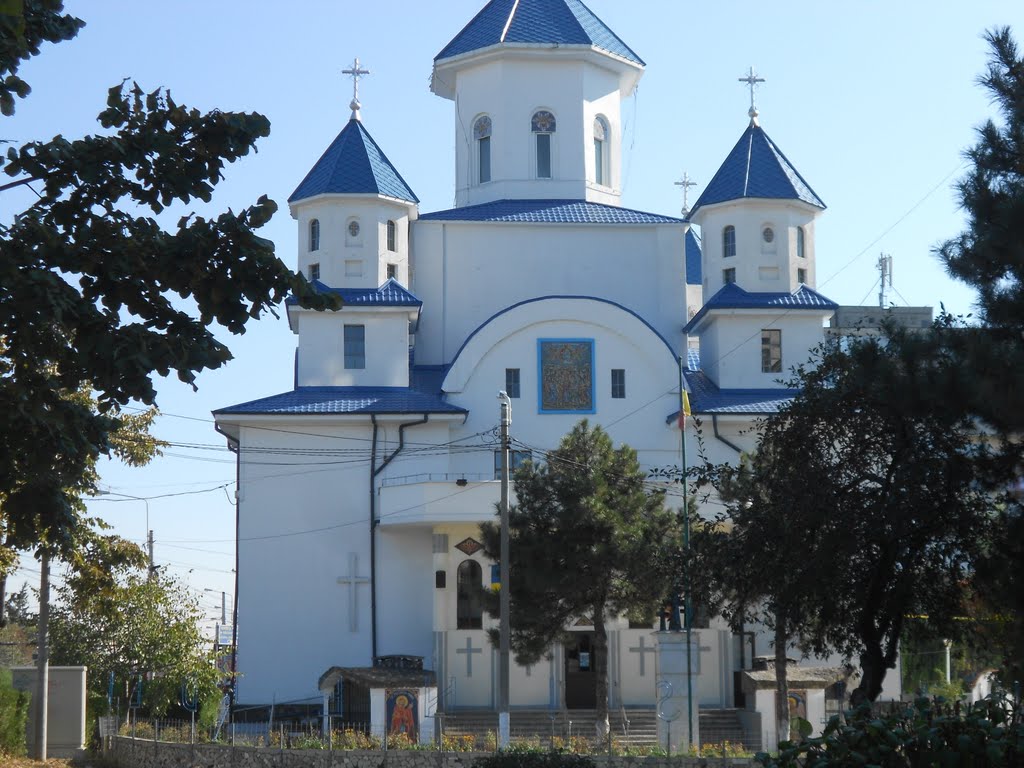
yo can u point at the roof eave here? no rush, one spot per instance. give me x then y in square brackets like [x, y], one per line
[294, 205]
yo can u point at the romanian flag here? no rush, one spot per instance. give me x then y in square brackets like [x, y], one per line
[684, 409]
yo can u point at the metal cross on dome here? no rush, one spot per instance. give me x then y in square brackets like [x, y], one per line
[752, 80]
[355, 72]
[686, 182]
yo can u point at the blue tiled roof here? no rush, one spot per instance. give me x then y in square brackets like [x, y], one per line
[706, 397]
[536, 22]
[731, 296]
[353, 164]
[693, 359]
[693, 260]
[345, 400]
[391, 294]
[757, 168]
[549, 211]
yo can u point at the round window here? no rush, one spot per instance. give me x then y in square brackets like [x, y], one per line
[768, 234]
[353, 228]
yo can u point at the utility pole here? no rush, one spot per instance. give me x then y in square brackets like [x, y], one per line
[43, 659]
[884, 265]
[223, 608]
[504, 644]
[149, 548]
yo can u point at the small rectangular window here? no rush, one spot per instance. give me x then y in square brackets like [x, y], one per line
[801, 276]
[484, 147]
[440, 579]
[392, 270]
[516, 460]
[771, 351]
[314, 271]
[618, 383]
[729, 275]
[355, 346]
[512, 382]
[543, 155]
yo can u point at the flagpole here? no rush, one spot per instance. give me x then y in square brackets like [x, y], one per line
[684, 407]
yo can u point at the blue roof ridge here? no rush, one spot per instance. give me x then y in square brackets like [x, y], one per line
[732, 296]
[533, 205]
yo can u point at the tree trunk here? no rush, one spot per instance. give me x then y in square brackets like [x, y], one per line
[601, 672]
[872, 673]
[781, 683]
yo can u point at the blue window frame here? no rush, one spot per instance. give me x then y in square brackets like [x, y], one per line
[565, 376]
[355, 346]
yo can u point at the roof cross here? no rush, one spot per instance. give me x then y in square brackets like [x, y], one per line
[752, 80]
[686, 182]
[355, 72]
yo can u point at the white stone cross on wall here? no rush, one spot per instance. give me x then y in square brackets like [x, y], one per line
[469, 650]
[643, 649]
[353, 581]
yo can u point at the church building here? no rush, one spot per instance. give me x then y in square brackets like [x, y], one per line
[361, 490]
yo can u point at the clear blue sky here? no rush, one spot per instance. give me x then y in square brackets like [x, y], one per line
[873, 102]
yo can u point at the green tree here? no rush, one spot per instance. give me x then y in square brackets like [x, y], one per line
[878, 494]
[96, 293]
[587, 539]
[989, 256]
[137, 627]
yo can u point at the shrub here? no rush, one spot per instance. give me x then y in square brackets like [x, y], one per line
[13, 716]
[931, 732]
[530, 758]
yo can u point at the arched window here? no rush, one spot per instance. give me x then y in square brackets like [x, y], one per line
[800, 242]
[469, 609]
[600, 151]
[729, 241]
[543, 126]
[482, 137]
[314, 235]
[392, 235]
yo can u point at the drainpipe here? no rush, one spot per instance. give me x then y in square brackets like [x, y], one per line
[714, 424]
[374, 522]
[235, 446]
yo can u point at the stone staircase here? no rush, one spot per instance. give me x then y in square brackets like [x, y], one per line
[630, 727]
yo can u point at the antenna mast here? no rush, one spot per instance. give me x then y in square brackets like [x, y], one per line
[884, 274]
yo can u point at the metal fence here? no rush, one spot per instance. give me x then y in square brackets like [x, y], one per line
[560, 733]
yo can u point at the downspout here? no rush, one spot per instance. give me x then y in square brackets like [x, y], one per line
[234, 445]
[714, 424]
[374, 471]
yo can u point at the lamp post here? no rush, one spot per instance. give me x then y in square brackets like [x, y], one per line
[504, 643]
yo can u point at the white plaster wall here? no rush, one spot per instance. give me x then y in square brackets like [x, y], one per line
[510, 90]
[466, 272]
[750, 217]
[321, 356]
[369, 248]
[405, 592]
[730, 348]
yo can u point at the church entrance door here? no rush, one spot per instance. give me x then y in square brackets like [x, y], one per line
[579, 672]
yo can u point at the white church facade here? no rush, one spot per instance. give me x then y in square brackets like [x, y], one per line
[361, 490]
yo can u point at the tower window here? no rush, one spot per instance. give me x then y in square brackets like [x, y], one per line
[314, 272]
[355, 346]
[543, 126]
[771, 351]
[800, 242]
[801, 276]
[482, 136]
[392, 271]
[729, 241]
[729, 275]
[512, 382]
[314, 235]
[618, 383]
[600, 151]
[392, 235]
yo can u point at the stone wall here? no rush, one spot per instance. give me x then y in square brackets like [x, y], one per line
[138, 753]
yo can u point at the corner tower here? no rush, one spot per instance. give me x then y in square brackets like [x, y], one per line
[757, 218]
[538, 86]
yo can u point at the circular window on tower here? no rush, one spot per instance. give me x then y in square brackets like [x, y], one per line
[353, 229]
[768, 234]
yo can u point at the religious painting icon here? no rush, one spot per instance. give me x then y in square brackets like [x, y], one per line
[566, 375]
[402, 708]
